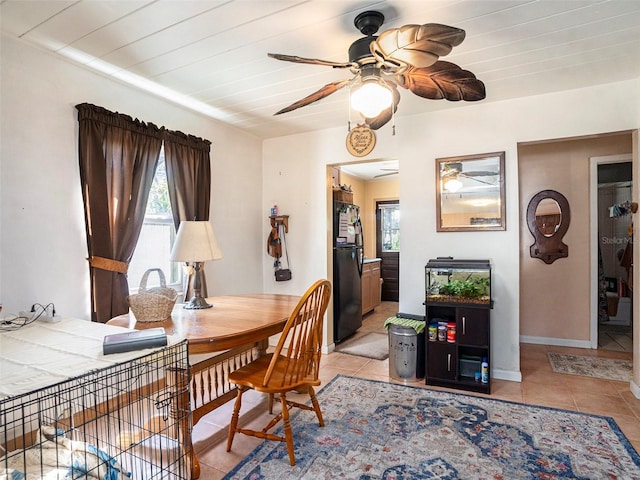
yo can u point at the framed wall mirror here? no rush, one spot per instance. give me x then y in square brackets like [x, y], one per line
[470, 193]
[548, 218]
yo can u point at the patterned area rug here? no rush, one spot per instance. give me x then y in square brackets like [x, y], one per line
[607, 368]
[370, 345]
[379, 430]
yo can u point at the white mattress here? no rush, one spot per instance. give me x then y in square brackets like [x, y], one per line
[41, 354]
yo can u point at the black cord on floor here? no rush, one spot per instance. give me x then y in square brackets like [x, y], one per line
[15, 322]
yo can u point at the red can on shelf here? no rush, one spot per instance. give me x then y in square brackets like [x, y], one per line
[451, 332]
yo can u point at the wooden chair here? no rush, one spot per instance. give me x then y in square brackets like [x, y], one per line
[294, 365]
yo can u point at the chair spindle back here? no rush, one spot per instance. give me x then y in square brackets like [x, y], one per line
[300, 346]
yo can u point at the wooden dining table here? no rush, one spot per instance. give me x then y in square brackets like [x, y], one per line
[232, 333]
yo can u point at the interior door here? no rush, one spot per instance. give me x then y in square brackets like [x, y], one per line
[388, 247]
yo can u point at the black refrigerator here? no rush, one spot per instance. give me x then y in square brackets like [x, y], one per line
[348, 255]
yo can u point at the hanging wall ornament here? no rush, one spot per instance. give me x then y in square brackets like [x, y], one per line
[360, 141]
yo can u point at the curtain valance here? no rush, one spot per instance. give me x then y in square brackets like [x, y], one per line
[87, 111]
[191, 141]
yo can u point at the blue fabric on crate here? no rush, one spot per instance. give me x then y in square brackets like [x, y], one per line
[417, 325]
[100, 462]
[57, 455]
[11, 474]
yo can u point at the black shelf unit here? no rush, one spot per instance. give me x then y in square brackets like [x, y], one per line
[443, 359]
[453, 364]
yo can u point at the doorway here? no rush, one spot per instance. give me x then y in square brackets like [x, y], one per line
[613, 258]
[374, 183]
[388, 247]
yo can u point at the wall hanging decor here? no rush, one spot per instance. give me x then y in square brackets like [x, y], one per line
[360, 141]
[277, 246]
[548, 218]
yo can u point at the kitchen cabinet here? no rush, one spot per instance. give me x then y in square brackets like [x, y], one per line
[371, 285]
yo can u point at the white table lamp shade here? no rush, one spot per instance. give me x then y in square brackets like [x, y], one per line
[195, 242]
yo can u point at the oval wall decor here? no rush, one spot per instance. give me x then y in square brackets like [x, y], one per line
[548, 218]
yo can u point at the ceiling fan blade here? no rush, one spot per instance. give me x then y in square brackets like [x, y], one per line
[379, 121]
[325, 91]
[416, 45]
[479, 173]
[311, 61]
[376, 122]
[385, 174]
[443, 80]
[471, 177]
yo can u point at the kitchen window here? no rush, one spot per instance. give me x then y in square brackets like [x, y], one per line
[390, 227]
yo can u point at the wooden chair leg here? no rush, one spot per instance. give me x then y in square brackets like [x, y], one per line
[288, 432]
[234, 418]
[270, 403]
[316, 406]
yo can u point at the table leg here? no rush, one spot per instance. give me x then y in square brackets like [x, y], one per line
[261, 347]
[178, 382]
[210, 387]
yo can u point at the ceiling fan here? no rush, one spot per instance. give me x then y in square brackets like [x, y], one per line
[407, 57]
[392, 171]
[453, 171]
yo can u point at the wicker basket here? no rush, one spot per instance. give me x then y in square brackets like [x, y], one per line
[154, 304]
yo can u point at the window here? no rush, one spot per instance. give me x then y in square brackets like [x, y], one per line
[390, 227]
[156, 237]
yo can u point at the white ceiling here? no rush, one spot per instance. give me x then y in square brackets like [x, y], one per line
[382, 170]
[212, 55]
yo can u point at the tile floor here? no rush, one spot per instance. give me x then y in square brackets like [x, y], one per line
[615, 337]
[539, 386]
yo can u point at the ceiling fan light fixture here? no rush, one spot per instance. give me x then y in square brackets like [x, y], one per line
[371, 98]
[407, 56]
[453, 184]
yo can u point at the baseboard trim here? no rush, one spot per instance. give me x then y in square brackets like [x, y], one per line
[509, 375]
[327, 349]
[556, 342]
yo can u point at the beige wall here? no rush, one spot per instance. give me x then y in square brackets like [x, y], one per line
[357, 187]
[555, 298]
[464, 218]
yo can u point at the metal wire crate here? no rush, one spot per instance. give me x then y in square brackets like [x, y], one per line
[130, 420]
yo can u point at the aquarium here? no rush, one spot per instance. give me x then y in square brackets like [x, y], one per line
[449, 280]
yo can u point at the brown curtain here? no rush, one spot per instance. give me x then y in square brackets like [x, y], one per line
[189, 183]
[118, 158]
